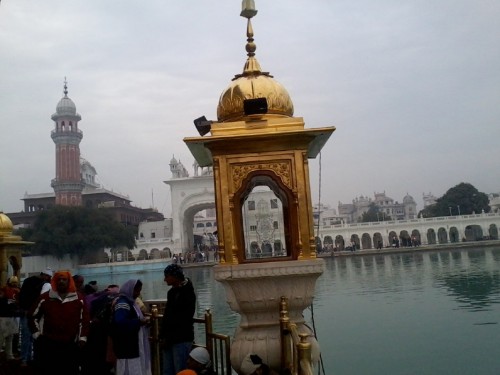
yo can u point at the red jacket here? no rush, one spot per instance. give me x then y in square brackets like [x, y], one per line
[64, 320]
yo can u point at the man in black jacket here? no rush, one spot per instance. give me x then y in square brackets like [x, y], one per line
[177, 330]
[30, 291]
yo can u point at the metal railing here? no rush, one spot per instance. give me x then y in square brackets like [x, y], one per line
[218, 345]
[295, 349]
[296, 356]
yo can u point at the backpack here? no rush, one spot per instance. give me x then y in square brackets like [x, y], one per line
[101, 310]
[30, 291]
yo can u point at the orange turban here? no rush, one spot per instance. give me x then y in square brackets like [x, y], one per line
[187, 372]
[63, 274]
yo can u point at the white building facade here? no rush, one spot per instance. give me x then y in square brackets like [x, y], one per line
[388, 207]
[194, 221]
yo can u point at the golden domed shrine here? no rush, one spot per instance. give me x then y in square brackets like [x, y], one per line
[10, 250]
[267, 246]
[257, 142]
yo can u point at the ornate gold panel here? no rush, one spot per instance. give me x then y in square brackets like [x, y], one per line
[281, 168]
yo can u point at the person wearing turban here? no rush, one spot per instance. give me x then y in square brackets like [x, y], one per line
[65, 326]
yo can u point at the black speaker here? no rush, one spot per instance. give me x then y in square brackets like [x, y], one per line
[202, 125]
[255, 106]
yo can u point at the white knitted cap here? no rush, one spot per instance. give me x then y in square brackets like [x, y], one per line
[200, 355]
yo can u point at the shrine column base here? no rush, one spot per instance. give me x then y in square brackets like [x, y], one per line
[254, 291]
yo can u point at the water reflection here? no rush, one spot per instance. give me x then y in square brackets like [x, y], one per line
[428, 300]
[473, 279]
[439, 304]
[474, 291]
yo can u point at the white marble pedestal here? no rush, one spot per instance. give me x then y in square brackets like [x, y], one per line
[254, 291]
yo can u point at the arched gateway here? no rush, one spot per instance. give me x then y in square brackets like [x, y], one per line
[189, 195]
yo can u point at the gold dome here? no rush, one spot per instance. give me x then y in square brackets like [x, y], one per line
[253, 83]
[6, 226]
[230, 106]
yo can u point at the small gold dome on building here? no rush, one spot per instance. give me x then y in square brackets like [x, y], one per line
[253, 83]
[254, 86]
[6, 226]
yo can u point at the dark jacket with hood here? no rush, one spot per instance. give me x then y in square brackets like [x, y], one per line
[177, 322]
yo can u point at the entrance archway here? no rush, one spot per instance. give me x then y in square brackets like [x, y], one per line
[415, 237]
[393, 239]
[377, 240]
[431, 236]
[188, 196]
[473, 233]
[366, 241]
[454, 236]
[339, 243]
[442, 235]
[405, 238]
[493, 232]
[355, 241]
[187, 237]
[319, 246]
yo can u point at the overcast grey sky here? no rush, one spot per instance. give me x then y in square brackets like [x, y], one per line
[413, 88]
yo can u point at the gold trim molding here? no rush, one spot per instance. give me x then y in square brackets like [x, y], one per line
[282, 169]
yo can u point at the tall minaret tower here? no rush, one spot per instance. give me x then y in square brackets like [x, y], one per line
[68, 184]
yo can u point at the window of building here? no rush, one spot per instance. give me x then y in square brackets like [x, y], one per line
[275, 225]
[253, 228]
[153, 235]
[274, 203]
[200, 225]
[251, 205]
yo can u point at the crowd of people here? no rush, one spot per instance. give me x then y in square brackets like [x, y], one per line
[198, 254]
[63, 326]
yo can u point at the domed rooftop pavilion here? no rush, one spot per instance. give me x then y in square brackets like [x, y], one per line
[253, 84]
[66, 106]
[253, 104]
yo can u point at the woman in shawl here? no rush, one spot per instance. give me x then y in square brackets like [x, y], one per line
[129, 332]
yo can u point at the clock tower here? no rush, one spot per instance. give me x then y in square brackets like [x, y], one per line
[68, 184]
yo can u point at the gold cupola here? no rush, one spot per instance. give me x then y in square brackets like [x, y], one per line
[6, 226]
[10, 250]
[253, 83]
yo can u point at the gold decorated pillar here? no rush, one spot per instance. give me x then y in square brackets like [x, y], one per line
[10, 250]
[259, 153]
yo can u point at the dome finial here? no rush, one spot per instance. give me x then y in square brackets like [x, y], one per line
[252, 83]
[248, 11]
[65, 87]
